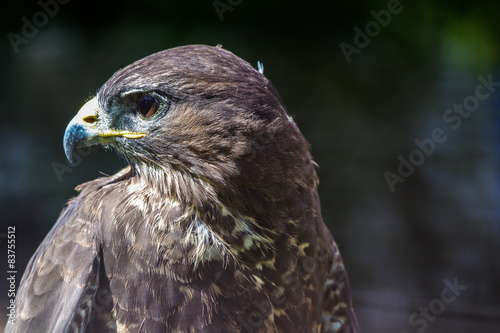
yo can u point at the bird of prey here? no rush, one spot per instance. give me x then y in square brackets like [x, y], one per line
[214, 225]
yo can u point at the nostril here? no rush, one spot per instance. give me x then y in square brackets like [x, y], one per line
[90, 119]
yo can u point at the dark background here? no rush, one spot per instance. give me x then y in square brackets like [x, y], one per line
[441, 223]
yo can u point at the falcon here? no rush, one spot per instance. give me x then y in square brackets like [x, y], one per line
[214, 225]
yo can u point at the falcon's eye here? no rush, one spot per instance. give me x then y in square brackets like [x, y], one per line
[147, 106]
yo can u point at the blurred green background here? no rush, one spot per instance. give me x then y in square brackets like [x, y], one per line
[360, 113]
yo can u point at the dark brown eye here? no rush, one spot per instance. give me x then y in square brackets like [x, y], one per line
[147, 106]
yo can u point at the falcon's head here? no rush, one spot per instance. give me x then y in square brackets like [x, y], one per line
[204, 119]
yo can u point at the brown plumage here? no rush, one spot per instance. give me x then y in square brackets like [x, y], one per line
[215, 225]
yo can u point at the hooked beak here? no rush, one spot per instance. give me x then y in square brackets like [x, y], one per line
[83, 130]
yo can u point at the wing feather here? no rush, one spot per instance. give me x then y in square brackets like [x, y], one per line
[60, 278]
[338, 312]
